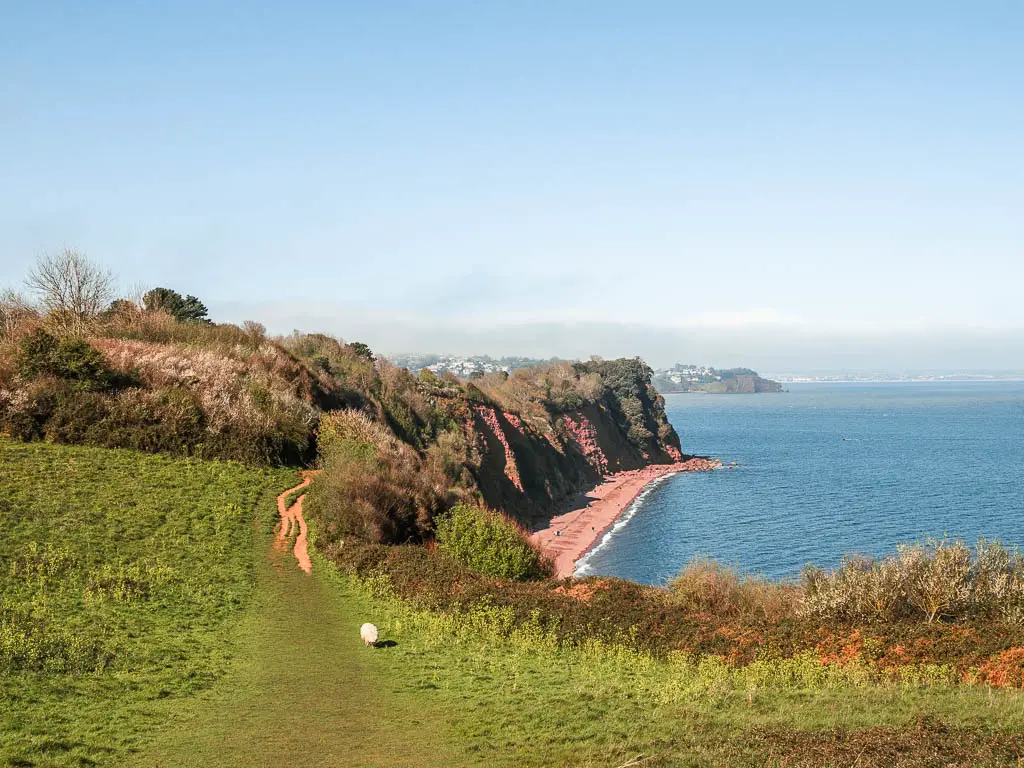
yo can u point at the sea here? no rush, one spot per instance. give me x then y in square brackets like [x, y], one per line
[825, 470]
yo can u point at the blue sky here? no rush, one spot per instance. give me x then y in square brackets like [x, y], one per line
[526, 176]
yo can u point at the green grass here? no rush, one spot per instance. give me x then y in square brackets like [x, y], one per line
[121, 577]
[147, 621]
[304, 691]
[522, 701]
[201, 644]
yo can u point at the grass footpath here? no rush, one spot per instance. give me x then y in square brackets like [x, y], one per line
[304, 691]
[145, 619]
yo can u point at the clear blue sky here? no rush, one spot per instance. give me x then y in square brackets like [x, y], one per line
[400, 170]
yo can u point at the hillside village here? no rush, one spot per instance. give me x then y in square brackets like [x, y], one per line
[678, 378]
[697, 378]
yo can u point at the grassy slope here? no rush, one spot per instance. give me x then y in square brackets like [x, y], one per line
[294, 686]
[231, 659]
[518, 702]
[153, 567]
[304, 692]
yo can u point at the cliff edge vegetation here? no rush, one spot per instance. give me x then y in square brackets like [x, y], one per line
[156, 375]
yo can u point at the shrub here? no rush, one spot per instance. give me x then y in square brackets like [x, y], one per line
[860, 589]
[705, 586]
[937, 579]
[72, 359]
[489, 543]
[374, 486]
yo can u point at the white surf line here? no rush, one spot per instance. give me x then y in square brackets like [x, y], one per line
[583, 564]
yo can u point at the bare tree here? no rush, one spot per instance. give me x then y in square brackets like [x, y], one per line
[71, 288]
[14, 311]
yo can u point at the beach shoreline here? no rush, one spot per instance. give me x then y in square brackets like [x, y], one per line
[572, 534]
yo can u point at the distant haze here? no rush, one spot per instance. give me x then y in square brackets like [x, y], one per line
[770, 350]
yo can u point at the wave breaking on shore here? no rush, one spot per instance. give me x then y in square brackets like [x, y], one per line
[583, 563]
[571, 535]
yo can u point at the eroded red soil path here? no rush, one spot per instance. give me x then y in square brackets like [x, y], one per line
[293, 523]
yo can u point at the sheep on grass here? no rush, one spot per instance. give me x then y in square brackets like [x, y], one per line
[369, 634]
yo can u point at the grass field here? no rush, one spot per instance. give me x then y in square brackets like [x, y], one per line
[518, 700]
[123, 576]
[147, 621]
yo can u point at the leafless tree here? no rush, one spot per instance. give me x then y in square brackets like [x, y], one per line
[136, 292]
[71, 288]
[14, 311]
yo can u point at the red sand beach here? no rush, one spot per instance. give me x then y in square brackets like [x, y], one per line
[593, 512]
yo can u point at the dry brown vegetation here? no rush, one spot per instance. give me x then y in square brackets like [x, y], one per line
[704, 586]
[160, 385]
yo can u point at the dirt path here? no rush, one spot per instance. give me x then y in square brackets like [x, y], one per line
[293, 523]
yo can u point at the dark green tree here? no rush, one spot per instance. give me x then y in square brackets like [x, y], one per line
[72, 359]
[186, 309]
[361, 349]
[120, 307]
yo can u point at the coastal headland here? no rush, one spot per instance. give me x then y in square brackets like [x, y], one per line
[571, 534]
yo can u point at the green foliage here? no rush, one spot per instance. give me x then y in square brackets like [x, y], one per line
[120, 308]
[70, 395]
[360, 349]
[489, 543]
[187, 309]
[374, 486]
[72, 359]
[705, 586]
[514, 693]
[628, 381]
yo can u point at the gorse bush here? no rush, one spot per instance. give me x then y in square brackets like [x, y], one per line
[489, 543]
[248, 402]
[71, 359]
[374, 486]
[938, 579]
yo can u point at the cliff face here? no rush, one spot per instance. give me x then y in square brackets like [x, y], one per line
[530, 463]
[520, 443]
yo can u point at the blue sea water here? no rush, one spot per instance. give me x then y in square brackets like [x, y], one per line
[825, 470]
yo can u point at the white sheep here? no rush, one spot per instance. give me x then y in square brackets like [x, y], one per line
[369, 634]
